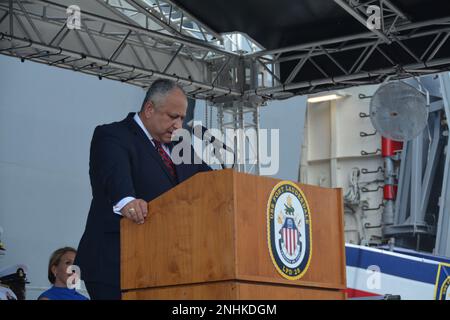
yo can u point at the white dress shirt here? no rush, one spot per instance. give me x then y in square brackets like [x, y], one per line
[122, 203]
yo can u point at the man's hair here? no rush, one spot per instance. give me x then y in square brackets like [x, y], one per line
[158, 91]
[55, 259]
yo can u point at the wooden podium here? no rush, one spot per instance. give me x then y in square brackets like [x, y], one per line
[207, 239]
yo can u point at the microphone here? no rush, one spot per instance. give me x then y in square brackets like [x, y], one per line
[202, 133]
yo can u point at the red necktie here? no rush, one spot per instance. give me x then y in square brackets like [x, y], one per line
[166, 159]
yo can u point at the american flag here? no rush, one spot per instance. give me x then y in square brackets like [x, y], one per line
[290, 236]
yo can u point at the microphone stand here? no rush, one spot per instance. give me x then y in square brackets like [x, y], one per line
[218, 155]
[216, 149]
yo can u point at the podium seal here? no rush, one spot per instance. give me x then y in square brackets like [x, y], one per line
[289, 230]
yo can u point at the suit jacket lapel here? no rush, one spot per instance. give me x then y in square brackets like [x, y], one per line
[147, 145]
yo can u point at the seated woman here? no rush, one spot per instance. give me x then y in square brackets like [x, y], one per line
[60, 260]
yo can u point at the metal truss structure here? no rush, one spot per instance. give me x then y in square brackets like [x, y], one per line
[243, 117]
[397, 36]
[137, 41]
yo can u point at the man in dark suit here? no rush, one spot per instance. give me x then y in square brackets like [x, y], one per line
[130, 164]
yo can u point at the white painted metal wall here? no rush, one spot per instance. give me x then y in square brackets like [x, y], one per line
[332, 148]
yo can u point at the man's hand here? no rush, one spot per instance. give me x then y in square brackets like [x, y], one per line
[135, 210]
